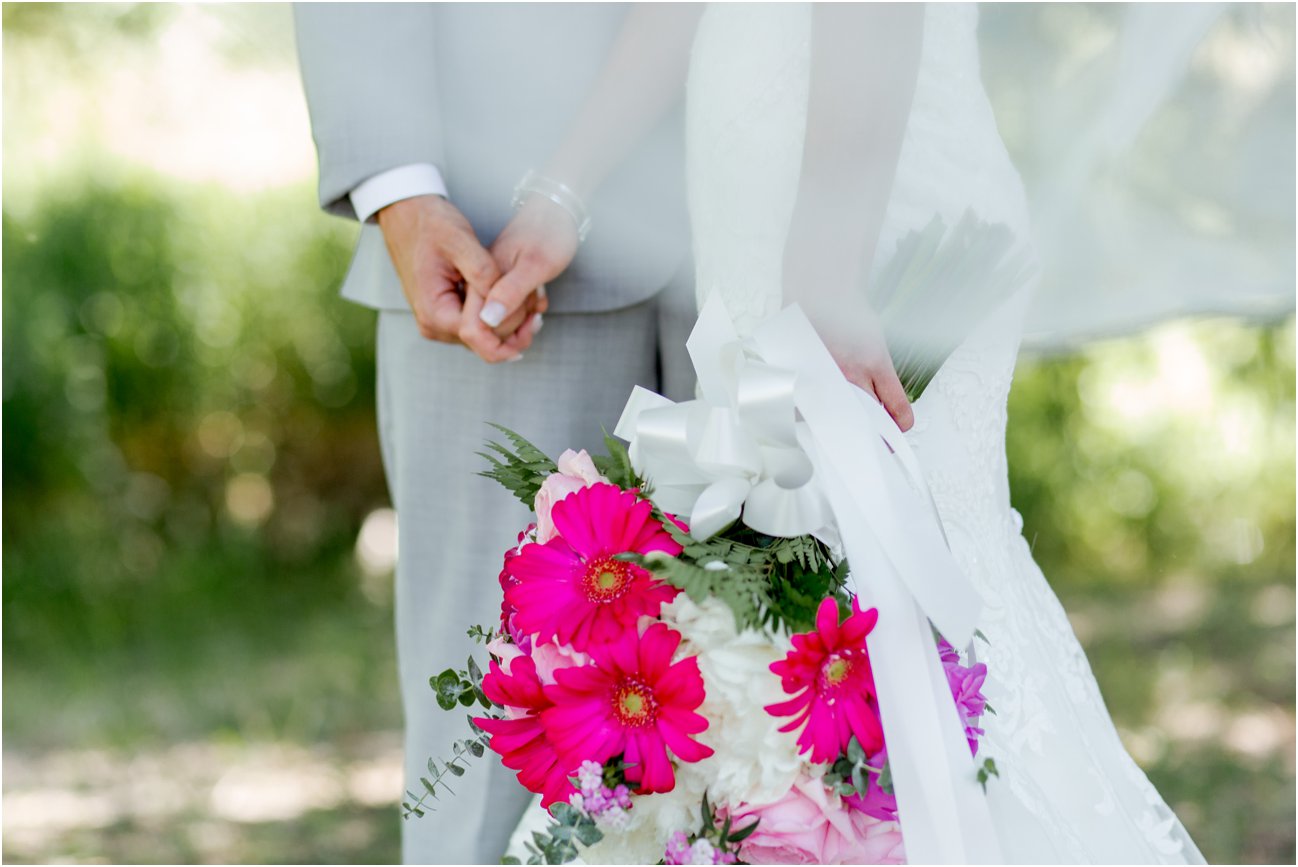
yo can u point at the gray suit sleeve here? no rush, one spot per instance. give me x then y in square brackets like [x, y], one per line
[371, 88]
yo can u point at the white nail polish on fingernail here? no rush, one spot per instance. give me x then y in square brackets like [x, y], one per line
[518, 357]
[536, 325]
[493, 314]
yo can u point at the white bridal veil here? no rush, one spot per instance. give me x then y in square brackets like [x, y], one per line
[1156, 142]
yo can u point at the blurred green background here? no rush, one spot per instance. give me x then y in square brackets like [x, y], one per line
[198, 660]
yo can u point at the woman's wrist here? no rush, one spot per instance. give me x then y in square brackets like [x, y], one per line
[558, 192]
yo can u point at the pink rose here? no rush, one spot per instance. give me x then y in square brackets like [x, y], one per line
[549, 657]
[506, 652]
[810, 826]
[576, 471]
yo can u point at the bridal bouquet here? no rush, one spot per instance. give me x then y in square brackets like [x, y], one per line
[675, 699]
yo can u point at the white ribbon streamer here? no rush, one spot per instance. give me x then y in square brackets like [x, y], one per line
[781, 440]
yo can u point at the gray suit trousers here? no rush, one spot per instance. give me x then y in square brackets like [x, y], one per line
[454, 526]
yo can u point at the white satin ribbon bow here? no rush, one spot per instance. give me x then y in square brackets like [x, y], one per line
[781, 440]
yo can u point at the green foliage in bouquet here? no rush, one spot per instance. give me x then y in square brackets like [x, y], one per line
[436, 782]
[557, 844]
[522, 469]
[938, 285]
[767, 581]
[616, 466]
[720, 834]
[462, 688]
[986, 772]
[851, 774]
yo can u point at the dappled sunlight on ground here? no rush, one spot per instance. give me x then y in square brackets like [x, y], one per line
[203, 801]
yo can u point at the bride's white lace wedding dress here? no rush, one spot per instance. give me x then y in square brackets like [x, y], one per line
[1068, 790]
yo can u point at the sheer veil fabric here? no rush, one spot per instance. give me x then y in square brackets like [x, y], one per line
[1156, 142]
[1068, 792]
[1094, 230]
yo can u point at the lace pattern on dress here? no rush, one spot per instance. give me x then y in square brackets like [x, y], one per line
[1069, 790]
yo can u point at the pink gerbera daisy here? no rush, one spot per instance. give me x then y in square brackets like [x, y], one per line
[828, 674]
[522, 742]
[572, 589]
[632, 700]
[507, 580]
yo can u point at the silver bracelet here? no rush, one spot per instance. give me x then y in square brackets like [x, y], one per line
[559, 193]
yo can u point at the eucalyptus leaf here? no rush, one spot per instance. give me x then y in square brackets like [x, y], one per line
[885, 778]
[588, 834]
[447, 683]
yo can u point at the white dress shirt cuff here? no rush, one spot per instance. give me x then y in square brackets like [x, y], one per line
[403, 182]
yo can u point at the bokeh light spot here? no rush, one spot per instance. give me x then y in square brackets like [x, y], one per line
[220, 434]
[377, 543]
[249, 499]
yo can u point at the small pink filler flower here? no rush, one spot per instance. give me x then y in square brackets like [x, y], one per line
[634, 701]
[828, 674]
[572, 589]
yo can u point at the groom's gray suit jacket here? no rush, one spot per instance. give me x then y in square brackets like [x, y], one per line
[485, 92]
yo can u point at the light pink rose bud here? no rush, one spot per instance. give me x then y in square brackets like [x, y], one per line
[551, 657]
[576, 471]
[579, 464]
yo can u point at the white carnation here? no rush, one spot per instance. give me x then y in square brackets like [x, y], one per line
[638, 843]
[753, 761]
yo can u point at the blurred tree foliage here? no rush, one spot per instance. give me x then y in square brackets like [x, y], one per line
[1155, 476]
[78, 26]
[181, 385]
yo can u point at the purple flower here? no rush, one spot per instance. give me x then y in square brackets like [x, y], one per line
[874, 802]
[966, 688]
[946, 651]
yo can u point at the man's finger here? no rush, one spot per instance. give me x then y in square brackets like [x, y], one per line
[438, 315]
[510, 291]
[474, 264]
[522, 338]
[507, 328]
